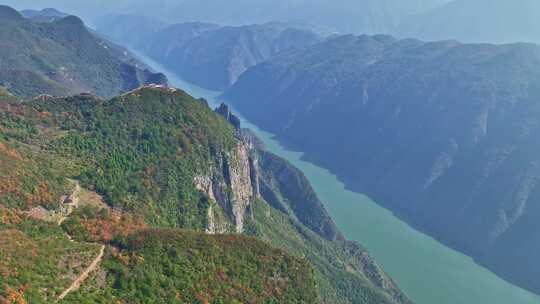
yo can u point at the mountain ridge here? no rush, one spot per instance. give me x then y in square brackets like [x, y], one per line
[211, 55]
[8, 12]
[151, 161]
[442, 132]
[62, 57]
[44, 15]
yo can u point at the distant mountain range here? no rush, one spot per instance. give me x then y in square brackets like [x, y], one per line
[62, 57]
[444, 134]
[361, 16]
[210, 55]
[493, 21]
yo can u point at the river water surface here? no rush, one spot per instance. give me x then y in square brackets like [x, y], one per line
[428, 272]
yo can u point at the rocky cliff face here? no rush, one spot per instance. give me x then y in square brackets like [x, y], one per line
[253, 177]
[249, 173]
[442, 133]
[232, 183]
[235, 191]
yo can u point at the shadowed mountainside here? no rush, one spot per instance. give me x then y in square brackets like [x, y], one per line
[442, 133]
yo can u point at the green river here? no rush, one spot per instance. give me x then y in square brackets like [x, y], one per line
[429, 272]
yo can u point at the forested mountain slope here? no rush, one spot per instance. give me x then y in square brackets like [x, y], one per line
[62, 58]
[163, 182]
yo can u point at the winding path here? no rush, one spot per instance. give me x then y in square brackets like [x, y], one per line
[84, 275]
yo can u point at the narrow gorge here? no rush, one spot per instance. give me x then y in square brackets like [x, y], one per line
[427, 271]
